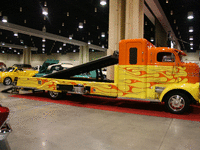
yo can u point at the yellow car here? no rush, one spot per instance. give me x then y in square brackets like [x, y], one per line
[9, 75]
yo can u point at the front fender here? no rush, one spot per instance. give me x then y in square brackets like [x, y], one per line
[193, 89]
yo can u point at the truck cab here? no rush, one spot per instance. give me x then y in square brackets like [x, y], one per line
[154, 73]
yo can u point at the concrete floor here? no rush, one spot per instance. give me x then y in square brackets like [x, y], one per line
[47, 126]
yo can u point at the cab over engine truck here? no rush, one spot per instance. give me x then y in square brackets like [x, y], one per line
[142, 72]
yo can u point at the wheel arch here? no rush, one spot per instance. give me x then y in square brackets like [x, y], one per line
[191, 98]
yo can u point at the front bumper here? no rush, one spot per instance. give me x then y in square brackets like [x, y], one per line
[4, 131]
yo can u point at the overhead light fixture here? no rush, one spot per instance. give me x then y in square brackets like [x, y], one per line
[191, 29]
[103, 2]
[191, 43]
[190, 15]
[43, 49]
[63, 24]
[15, 50]
[25, 46]
[43, 40]
[60, 48]
[70, 37]
[191, 47]
[44, 29]
[171, 12]
[4, 19]
[95, 9]
[174, 21]
[10, 48]
[80, 25]
[67, 13]
[45, 11]
[151, 39]
[3, 52]
[20, 9]
[64, 44]
[2, 43]
[89, 42]
[103, 34]
[191, 38]
[43, 52]
[92, 50]
[43, 45]
[25, 21]
[57, 51]
[45, 3]
[18, 53]
[167, 1]
[103, 46]
[15, 34]
[145, 23]
[74, 50]
[84, 22]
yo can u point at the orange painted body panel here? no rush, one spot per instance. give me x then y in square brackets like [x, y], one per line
[141, 44]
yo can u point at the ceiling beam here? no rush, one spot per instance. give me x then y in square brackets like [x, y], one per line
[160, 15]
[46, 35]
[149, 15]
[2, 44]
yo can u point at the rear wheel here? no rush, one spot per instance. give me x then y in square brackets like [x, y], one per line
[7, 81]
[177, 102]
[55, 95]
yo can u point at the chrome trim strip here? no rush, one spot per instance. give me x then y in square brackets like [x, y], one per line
[140, 99]
[159, 89]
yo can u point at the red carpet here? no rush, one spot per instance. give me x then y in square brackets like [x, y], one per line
[117, 105]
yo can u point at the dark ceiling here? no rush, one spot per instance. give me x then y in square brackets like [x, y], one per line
[64, 17]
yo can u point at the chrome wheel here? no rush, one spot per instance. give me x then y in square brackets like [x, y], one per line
[53, 94]
[7, 81]
[176, 102]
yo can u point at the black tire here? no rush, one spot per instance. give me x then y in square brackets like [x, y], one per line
[55, 95]
[177, 102]
[7, 81]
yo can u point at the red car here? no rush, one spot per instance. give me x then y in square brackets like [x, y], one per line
[5, 128]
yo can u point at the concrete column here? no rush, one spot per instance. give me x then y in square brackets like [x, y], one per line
[27, 56]
[116, 29]
[126, 21]
[160, 35]
[84, 54]
[134, 19]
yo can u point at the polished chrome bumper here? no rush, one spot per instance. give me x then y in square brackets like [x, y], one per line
[4, 131]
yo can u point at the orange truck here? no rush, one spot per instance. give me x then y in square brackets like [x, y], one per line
[142, 72]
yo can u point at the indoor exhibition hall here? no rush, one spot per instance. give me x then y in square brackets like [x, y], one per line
[99, 75]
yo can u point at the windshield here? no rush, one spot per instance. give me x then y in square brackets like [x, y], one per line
[9, 69]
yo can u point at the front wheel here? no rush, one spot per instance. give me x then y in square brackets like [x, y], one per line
[177, 102]
[55, 95]
[7, 81]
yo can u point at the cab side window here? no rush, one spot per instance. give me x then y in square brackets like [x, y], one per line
[165, 57]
